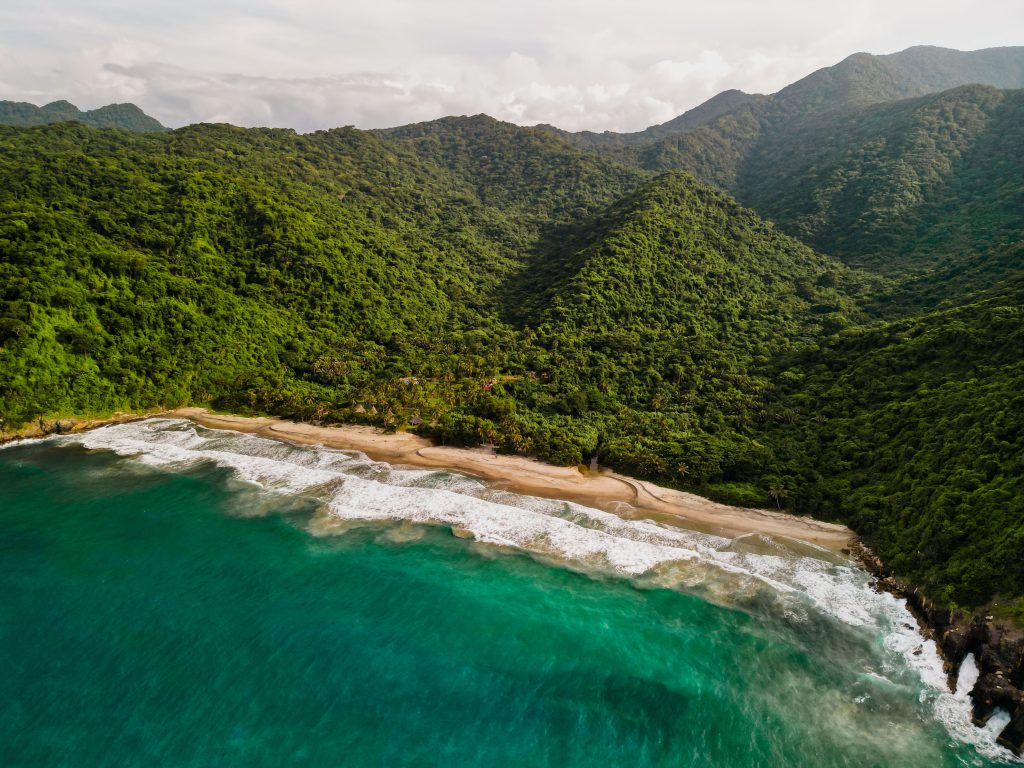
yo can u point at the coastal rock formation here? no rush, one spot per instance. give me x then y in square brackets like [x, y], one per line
[57, 426]
[1013, 733]
[44, 427]
[997, 645]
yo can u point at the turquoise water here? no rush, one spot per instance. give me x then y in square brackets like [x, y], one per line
[206, 599]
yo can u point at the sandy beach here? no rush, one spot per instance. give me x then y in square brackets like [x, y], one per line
[604, 489]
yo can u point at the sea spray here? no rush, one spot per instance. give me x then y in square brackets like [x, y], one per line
[804, 588]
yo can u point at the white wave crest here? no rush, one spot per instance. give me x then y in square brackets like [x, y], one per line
[351, 487]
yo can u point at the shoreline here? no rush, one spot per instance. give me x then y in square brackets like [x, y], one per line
[997, 645]
[603, 489]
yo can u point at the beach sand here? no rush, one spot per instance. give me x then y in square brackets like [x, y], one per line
[603, 489]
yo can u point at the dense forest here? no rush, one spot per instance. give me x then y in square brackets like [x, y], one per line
[575, 296]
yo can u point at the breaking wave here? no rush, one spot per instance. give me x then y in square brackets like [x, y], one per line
[801, 583]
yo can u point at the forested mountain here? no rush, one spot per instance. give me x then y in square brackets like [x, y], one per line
[916, 184]
[916, 188]
[714, 152]
[913, 432]
[285, 246]
[858, 80]
[339, 263]
[540, 177]
[927, 188]
[573, 296]
[867, 79]
[127, 116]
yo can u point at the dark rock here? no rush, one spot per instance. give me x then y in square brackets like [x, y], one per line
[1004, 652]
[992, 692]
[56, 427]
[998, 648]
[963, 636]
[1012, 736]
[954, 646]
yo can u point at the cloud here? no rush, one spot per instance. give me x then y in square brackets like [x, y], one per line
[611, 95]
[596, 65]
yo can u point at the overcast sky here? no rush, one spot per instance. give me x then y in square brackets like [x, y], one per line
[578, 64]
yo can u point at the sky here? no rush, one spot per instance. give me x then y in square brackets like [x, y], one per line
[594, 65]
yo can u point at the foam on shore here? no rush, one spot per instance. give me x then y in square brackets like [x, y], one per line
[802, 583]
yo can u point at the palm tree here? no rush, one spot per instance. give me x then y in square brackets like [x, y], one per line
[778, 492]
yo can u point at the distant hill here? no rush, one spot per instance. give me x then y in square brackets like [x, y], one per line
[533, 172]
[867, 79]
[714, 152]
[892, 163]
[861, 78]
[127, 116]
[900, 185]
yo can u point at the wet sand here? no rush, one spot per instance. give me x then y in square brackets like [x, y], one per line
[603, 489]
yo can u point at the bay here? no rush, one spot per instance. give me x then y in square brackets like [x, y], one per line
[177, 596]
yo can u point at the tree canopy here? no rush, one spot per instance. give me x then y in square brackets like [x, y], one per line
[484, 283]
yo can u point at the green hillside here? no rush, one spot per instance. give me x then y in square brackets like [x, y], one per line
[856, 162]
[659, 319]
[481, 282]
[857, 80]
[540, 177]
[715, 153]
[720, 104]
[864, 78]
[913, 433]
[313, 273]
[153, 268]
[913, 185]
[127, 116]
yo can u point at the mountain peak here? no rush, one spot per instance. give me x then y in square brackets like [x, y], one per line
[865, 78]
[128, 116]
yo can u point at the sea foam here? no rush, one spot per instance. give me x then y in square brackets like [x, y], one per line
[350, 487]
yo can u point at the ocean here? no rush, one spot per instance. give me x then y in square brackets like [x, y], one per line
[178, 596]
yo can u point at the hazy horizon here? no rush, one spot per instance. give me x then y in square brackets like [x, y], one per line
[579, 66]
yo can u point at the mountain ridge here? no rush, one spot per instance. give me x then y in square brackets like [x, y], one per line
[914, 71]
[817, 152]
[859, 78]
[125, 115]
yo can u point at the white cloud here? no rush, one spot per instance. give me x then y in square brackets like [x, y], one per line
[597, 65]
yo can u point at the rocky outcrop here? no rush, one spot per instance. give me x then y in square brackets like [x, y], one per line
[43, 427]
[56, 427]
[998, 649]
[1013, 733]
